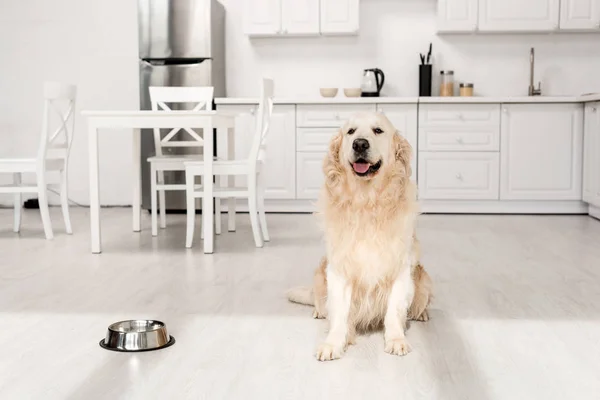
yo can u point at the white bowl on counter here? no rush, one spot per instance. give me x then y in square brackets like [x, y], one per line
[328, 92]
[352, 92]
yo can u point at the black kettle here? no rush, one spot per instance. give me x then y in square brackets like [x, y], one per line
[372, 82]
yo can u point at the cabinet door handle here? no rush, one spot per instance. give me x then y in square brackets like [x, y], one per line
[461, 117]
[252, 111]
[593, 109]
[459, 140]
[505, 110]
[459, 176]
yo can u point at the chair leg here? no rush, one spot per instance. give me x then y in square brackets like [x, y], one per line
[162, 202]
[231, 214]
[153, 200]
[43, 201]
[217, 216]
[18, 203]
[191, 209]
[64, 200]
[252, 209]
[260, 194]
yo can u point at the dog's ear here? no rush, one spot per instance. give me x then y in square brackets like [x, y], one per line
[332, 167]
[402, 152]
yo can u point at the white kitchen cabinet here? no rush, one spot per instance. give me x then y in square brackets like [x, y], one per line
[328, 115]
[262, 17]
[404, 118]
[339, 17]
[310, 178]
[457, 15]
[518, 15]
[580, 15]
[280, 164]
[300, 17]
[458, 176]
[541, 152]
[591, 157]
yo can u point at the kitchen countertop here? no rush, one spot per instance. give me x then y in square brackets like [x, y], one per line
[415, 100]
[320, 100]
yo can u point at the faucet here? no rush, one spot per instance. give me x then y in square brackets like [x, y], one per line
[532, 90]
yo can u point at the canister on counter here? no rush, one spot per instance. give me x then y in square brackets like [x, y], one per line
[466, 89]
[447, 83]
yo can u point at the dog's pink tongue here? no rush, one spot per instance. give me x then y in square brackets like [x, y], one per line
[361, 168]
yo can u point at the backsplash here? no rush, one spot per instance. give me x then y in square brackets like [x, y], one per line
[392, 34]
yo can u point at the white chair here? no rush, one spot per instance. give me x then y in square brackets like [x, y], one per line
[253, 167]
[52, 156]
[201, 98]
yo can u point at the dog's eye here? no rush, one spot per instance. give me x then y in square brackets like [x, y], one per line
[351, 131]
[377, 131]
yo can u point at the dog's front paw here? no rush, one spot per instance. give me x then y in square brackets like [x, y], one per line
[398, 347]
[318, 315]
[328, 352]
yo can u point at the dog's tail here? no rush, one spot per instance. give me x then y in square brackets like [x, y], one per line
[301, 295]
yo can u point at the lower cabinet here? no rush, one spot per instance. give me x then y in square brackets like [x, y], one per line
[458, 175]
[280, 167]
[310, 178]
[591, 157]
[541, 148]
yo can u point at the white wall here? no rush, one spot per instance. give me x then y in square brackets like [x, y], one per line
[86, 42]
[392, 33]
[94, 44]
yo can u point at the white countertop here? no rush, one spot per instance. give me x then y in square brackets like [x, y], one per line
[415, 100]
[320, 100]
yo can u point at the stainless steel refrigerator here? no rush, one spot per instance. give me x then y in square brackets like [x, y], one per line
[181, 43]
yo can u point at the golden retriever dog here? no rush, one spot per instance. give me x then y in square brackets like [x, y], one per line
[371, 275]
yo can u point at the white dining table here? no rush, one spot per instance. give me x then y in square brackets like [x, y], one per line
[137, 120]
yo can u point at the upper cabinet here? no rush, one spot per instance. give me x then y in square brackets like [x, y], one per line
[339, 16]
[300, 18]
[457, 15]
[518, 15]
[577, 15]
[262, 17]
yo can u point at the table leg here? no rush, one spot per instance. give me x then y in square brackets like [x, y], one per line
[96, 238]
[231, 180]
[137, 180]
[207, 200]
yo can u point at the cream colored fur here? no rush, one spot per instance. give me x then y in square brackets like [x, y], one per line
[371, 275]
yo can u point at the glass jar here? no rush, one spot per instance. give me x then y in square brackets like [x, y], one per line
[447, 83]
[466, 89]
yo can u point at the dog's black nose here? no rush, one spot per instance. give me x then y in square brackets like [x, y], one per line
[360, 145]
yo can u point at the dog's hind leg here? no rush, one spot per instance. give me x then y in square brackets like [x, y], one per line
[423, 293]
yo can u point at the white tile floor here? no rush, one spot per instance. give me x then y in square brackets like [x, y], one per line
[516, 315]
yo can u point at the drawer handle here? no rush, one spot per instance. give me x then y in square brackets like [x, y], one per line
[337, 116]
[459, 176]
[461, 117]
[593, 109]
[459, 140]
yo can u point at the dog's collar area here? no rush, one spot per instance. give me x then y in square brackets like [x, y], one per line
[373, 168]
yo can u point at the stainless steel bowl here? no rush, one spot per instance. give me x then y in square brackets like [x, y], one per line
[137, 335]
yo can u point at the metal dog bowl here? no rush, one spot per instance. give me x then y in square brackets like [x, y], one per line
[137, 335]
